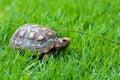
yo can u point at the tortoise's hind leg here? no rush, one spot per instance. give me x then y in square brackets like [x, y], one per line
[45, 56]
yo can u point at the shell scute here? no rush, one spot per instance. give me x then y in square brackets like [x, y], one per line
[31, 35]
[22, 33]
[40, 37]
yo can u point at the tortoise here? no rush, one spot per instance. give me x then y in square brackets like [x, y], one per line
[39, 38]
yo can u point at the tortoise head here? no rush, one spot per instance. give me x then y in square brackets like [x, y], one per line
[62, 43]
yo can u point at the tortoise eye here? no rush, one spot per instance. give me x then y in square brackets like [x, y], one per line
[64, 40]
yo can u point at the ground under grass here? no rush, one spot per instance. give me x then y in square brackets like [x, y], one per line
[87, 57]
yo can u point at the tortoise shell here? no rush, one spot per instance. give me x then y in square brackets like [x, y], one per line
[34, 37]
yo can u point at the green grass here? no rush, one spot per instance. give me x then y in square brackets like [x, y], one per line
[87, 57]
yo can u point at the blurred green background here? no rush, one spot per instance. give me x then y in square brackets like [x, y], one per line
[86, 58]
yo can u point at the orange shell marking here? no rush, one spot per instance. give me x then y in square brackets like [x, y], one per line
[40, 37]
[22, 33]
[31, 35]
[50, 33]
[44, 29]
[52, 45]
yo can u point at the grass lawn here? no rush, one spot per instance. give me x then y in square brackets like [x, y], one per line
[87, 57]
